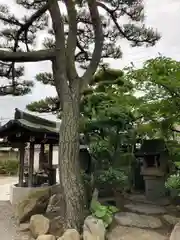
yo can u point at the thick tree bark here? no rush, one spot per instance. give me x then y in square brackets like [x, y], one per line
[69, 165]
[69, 94]
[69, 86]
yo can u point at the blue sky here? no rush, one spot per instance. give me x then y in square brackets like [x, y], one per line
[163, 15]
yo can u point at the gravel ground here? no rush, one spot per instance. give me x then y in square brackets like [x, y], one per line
[8, 229]
[5, 183]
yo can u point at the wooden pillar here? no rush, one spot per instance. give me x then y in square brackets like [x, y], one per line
[50, 157]
[21, 164]
[31, 164]
[41, 156]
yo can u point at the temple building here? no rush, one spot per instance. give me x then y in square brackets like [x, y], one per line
[25, 132]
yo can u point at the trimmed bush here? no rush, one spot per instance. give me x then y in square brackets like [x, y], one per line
[9, 167]
[173, 182]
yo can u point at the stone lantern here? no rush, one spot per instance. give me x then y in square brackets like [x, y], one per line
[154, 169]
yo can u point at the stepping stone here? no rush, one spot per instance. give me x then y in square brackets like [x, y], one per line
[136, 220]
[175, 232]
[142, 199]
[171, 219]
[129, 233]
[145, 208]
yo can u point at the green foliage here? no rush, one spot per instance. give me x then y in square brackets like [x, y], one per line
[158, 81]
[49, 105]
[173, 147]
[114, 177]
[177, 164]
[45, 78]
[108, 116]
[114, 117]
[173, 182]
[105, 213]
[9, 167]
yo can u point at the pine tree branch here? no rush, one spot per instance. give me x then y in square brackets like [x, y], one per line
[71, 41]
[33, 56]
[10, 21]
[29, 5]
[123, 33]
[26, 56]
[24, 28]
[59, 64]
[82, 51]
[58, 27]
[111, 13]
[33, 18]
[16, 89]
[98, 32]
[47, 105]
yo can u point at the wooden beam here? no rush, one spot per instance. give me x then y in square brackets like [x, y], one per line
[31, 164]
[21, 165]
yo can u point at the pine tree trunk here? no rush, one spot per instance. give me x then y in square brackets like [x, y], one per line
[69, 166]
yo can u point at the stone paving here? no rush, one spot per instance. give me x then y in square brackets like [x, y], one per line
[172, 220]
[145, 208]
[137, 220]
[143, 221]
[130, 233]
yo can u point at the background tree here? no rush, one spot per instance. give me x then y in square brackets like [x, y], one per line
[18, 86]
[109, 124]
[11, 74]
[108, 113]
[159, 81]
[85, 32]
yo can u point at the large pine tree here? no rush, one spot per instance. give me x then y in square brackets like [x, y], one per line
[83, 32]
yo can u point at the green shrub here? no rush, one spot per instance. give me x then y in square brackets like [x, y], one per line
[105, 213]
[177, 164]
[173, 182]
[114, 177]
[9, 167]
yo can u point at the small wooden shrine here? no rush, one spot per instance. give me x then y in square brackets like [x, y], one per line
[24, 132]
[154, 156]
